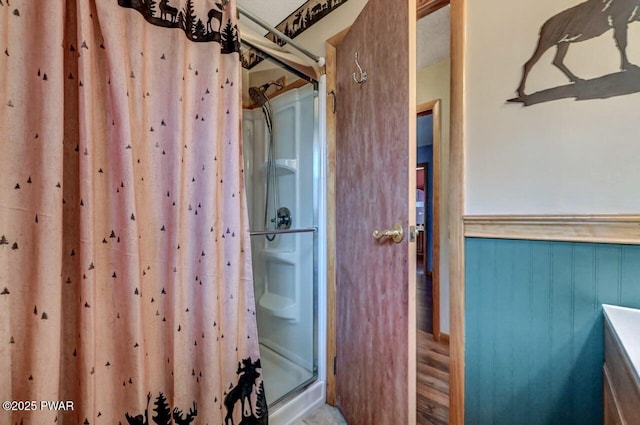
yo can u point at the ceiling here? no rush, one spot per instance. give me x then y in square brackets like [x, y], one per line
[434, 38]
[432, 30]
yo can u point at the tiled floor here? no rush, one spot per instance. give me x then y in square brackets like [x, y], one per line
[324, 415]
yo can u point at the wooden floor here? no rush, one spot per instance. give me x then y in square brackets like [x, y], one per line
[424, 293]
[433, 381]
[433, 361]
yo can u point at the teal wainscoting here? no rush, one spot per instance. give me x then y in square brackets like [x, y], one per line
[534, 328]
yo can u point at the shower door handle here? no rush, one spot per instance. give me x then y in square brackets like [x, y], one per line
[397, 234]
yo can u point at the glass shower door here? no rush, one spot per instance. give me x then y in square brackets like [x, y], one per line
[284, 261]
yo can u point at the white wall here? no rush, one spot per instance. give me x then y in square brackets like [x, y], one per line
[434, 83]
[563, 156]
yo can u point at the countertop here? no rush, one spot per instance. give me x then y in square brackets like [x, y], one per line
[625, 322]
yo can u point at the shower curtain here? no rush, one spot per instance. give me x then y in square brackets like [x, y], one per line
[126, 293]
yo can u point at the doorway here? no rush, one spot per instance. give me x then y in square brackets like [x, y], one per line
[424, 239]
[428, 183]
[432, 282]
[372, 127]
[451, 100]
[432, 353]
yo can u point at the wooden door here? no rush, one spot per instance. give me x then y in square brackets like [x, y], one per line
[375, 189]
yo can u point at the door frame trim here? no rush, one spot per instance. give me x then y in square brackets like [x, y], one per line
[456, 213]
[434, 107]
[330, 56]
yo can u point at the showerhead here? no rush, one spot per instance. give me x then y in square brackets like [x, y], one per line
[258, 95]
[271, 83]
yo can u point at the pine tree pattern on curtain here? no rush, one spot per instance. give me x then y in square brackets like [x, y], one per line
[125, 269]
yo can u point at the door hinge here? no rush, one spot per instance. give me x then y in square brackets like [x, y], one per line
[334, 366]
[332, 93]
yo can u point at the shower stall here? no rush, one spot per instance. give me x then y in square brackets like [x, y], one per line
[283, 152]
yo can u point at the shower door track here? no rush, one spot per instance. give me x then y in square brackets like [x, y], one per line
[280, 232]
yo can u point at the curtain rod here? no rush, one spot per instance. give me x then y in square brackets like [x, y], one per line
[280, 63]
[318, 59]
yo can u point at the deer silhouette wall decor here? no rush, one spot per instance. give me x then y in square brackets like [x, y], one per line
[582, 22]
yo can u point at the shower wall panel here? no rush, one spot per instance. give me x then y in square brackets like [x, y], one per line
[284, 268]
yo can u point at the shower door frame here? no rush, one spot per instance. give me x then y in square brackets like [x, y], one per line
[318, 161]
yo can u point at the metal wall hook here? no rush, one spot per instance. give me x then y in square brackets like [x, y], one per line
[363, 74]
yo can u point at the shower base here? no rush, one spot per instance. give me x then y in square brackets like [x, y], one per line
[281, 375]
[290, 391]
